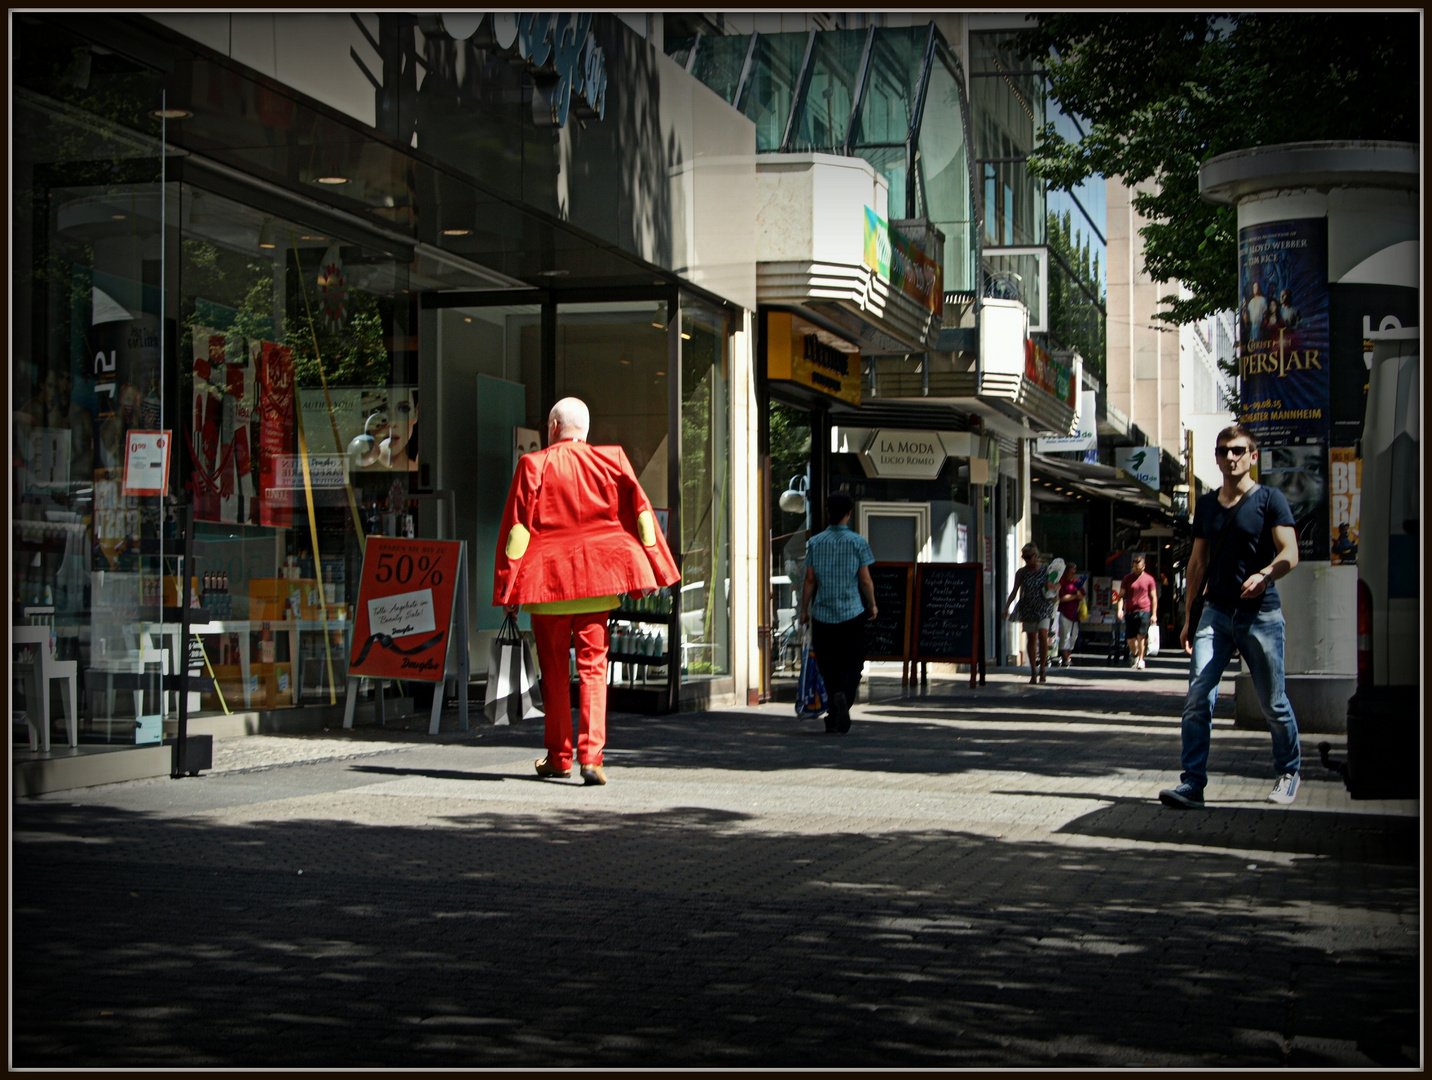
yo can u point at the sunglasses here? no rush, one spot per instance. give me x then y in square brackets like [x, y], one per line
[1030, 555]
[1235, 451]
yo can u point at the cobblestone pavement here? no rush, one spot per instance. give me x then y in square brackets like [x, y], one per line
[969, 878]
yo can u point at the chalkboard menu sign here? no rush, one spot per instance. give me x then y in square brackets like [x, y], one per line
[888, 637]
[948, 612]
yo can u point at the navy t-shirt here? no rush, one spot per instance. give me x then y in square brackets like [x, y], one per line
[1247, 549]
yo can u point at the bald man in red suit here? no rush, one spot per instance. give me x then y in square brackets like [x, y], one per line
[578, 533]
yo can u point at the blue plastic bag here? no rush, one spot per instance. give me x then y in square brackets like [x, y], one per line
[811, 699]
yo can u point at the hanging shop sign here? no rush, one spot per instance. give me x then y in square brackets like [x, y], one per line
[559, 51]
[1140, 462]
[1087, 437]
[1048, 374]
[801, 352]
[902, 262]
[911, 455]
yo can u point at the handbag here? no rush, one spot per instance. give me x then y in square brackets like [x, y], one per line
[513, 692]
[1195, 606]
[811, 699]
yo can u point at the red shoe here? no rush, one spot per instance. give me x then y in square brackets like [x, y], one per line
[544, 769]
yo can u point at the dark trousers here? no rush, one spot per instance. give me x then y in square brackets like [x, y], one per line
[840, 654]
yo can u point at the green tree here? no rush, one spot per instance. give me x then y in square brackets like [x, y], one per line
[1162, 94]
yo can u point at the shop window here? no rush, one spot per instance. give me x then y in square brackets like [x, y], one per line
[300, 436]
[705, 492]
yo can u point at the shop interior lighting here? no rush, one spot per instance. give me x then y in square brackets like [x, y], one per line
[457, 232]
[171, 114]
[305, 236]
[552, 273]
[685, 336]
[330, 179]
[658, 325]
[119, 217]
[268, 234]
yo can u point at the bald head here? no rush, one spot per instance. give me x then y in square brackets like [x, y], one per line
[569, 419]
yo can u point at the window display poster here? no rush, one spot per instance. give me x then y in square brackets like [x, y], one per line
[404, 610]
[1284, 359]
[221, 474]
[1345, 472]
[376, 426]
[146, 463]
[277, 431]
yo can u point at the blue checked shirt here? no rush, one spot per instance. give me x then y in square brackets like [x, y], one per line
[836, 556]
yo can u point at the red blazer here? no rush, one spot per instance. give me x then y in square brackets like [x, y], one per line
[580, 505]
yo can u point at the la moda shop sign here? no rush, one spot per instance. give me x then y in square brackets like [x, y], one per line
[914, 455]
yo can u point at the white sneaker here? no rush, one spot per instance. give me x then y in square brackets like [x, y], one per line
[1138, 665]
[1286, 789]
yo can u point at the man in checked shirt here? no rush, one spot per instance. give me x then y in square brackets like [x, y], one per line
[837, 601]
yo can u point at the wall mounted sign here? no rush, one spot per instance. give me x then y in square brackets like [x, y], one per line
[1087, 437]
[801, 352]
[559, 51]
[902, 262]
[1140, 462]
[915, 455]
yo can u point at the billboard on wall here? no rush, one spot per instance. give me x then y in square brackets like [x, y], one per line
[1345, 469]
[1048, 373]
[902, 262]
[1285, 365]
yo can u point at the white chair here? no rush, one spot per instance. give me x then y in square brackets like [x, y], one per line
[49, 669]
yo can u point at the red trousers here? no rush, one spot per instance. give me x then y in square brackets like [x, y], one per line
[555, 634]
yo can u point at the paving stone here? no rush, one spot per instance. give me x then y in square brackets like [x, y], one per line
[968, 879]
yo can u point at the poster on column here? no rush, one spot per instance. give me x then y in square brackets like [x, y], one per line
[277, 431]
[1285, 363]
[1357, 310]
[404, 611]
[1345, 470]
[1283, 353]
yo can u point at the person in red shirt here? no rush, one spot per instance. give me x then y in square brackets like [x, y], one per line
[580, 532]
[1139, 608]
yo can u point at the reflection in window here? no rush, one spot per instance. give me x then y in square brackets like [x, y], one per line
[830, 93]
[719, 61]
[945, 176]
[767, 100]
[705, 493]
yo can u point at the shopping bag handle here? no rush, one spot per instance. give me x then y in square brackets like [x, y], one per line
[509, 634]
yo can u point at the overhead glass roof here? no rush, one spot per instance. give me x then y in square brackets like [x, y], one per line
[893, 96]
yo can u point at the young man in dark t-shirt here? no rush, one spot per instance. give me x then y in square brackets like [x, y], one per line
[1241, 612]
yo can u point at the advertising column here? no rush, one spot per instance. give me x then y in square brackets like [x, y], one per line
[1327, 254]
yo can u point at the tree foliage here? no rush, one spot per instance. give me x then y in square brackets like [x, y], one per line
[1163, 93]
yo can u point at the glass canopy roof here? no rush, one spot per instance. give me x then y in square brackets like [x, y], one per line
[893, 96]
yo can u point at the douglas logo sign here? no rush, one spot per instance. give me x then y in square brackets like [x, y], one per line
[559, 51]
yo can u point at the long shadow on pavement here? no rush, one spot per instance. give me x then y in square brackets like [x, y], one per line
[691, 937]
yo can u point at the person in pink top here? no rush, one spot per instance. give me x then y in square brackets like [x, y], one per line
[1071, 593]
[1139, 608]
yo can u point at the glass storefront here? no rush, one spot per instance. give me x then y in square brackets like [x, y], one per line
[304, 395]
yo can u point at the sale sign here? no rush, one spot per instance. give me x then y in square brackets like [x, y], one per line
[146, 462]
[404, 611]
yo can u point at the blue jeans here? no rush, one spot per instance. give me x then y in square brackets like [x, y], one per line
[1259, 637]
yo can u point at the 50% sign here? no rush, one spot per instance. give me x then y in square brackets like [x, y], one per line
[404, 609]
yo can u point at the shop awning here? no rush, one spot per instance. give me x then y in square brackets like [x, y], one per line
[1101, 481]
